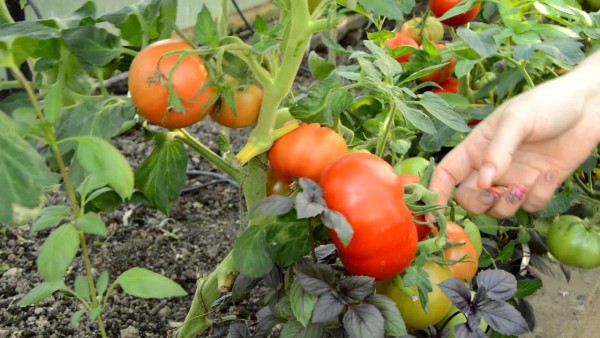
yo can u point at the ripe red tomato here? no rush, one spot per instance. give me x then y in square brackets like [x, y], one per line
[412, 312]
[306, 152]
[275, 186]
[401, 39]
[148, 85]
[247, 106]
[466, 269]
[439, 7]
[366, 190]
[449, 86]
[443, 74]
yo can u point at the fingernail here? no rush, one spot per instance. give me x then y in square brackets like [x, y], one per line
[516, 193]
[486, 176]
[489, 196]
[551, 175]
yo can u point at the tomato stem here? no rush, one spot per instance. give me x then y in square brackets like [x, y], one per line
[235, 172]
[312, 240]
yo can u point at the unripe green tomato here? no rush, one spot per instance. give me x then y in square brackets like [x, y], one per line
[473, 231]
[411, 166]
[433, 30]
[459, 319]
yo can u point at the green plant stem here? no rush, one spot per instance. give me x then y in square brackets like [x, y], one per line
[52, 143]
[5, 16]
[300, 28]
[235, 172]
[208, 290]
[222, 21]
[90, 279]
[383, 139]
[101, 84]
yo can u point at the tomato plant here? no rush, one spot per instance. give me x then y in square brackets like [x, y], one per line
[411, 166]
[474, 235]
[366, 190]
[153, 74]
[451, 85]
[247, 106]
[465, 251]
[574, 241]
[439, 7]
[440, 76]
[409, 304]
[306, 152]
[423, 230]
[401, 39]
[431, 29]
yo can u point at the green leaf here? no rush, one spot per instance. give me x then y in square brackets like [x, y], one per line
[95, 312]
[437, 107]
[486, 224]
[302, 303]
[251, 254]
[144, 21]
[23, 172]
[205, 30]
[50, 216]
[482, 42]
[460, 8]
[92, 45]
[419, 119]
[162, 175]
[57, 252]
[53, 103]
[527, 287]
[91, 223]
[287, 242]
[102, 282]
[22, 40]
[319, 67]
[566, 51]
[143, 283]
[394, 10]
[294, 329]
[42, 291]
[506, 252]
[82, 288]
[102, 159]
[76, 317]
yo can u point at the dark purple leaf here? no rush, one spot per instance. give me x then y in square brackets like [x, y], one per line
[394, 324]
[525, 308]
[500, 284]
[309, 202]
[242, 286]
[274, 278]
[357, 287]
[458, 293]
[365, 321]
[315, 279]
[324, 251]
[462, 330]
[239, 330]
[338, 223]
[266, 323]
[503, 317]
[274, 205]
[328, 308]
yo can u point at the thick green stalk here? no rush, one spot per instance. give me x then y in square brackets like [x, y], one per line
[5, 16]
[208, 290]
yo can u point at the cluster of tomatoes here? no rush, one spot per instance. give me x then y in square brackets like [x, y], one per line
[174, 90]
[369, 192]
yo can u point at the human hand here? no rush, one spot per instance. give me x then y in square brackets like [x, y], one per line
[526, 148]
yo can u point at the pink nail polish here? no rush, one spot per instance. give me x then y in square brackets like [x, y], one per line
[516, 193]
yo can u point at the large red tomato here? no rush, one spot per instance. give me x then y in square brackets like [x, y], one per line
[306, 152]
[439, 7]
[148, 85]
[366, 190]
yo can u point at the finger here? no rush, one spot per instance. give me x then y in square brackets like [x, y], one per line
[507, 137]
[542, 190]
[473, 199]
[452, 170]
[510, 201]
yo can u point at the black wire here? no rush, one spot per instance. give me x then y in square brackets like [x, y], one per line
[35, 8]
[241, 14]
